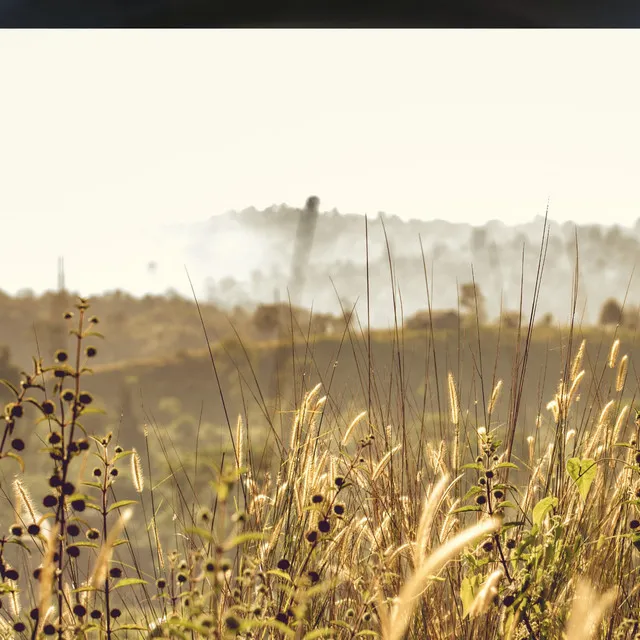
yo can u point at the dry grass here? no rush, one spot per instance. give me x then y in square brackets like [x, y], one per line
[359, 527]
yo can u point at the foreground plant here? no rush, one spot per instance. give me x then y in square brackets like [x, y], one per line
[355, 531]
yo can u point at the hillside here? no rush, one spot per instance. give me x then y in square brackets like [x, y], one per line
[178, 393]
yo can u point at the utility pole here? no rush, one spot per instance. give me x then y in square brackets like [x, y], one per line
[302, 249]
[61, 282]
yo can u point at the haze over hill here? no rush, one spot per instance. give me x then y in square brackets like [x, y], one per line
[249, 253]
[242, 258]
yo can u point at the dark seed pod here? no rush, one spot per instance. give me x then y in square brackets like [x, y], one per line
[283, 564]
[50, 501]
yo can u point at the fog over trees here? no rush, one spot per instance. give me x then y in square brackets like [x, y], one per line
[248, 257]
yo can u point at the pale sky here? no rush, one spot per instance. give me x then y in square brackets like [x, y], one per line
[111, 134]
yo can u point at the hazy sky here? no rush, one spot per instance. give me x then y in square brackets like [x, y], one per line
[107, 133]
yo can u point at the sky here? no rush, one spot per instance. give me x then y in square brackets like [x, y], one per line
[106, 137]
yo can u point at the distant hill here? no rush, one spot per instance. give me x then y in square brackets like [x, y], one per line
[243, 258]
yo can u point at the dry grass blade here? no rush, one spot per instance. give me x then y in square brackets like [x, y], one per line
[400, 617]
[239, 442]
[106, 550]
[587, 611]
[494, 397]
[383, 462]
[136, 472]
[454, 405]
[622, 373]
[485, 596]
[47, 573]
[613, 354]
[426, 520]
[577, 361]
[350, 428]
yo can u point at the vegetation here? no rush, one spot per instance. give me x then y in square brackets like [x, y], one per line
[484, 504]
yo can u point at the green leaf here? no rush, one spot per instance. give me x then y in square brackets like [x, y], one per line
[280, 574]
[319, 633]
[543, 507]
[7, 384]
[244, 537]
[120, 503]
[132, 627]
[86, 411]
[20, 543]
[247, 625]
[94, 334]
[127, 582]
[16, 457]
[83, 589]
[201, 533]
[122, 454]
[95, 507]
[506, 465]
[474, 491]
[506, 504]
[469, 507]
[95, 485]
[468, 590]
[583, 473]
[473, 465]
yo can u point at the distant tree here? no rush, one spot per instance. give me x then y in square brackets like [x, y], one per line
[510, 319]
[266, 319]
[478, 239]
[447, 320]
[321, 323]
[546, 320]
[611, 313]
[472, 302]
[614, 236]
[631, 318]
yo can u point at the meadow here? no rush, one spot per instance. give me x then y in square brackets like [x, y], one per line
[476, 483]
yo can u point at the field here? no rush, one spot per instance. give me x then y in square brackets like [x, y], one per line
[477, 482]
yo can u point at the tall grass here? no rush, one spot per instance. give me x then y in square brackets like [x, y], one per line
[360, 527]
